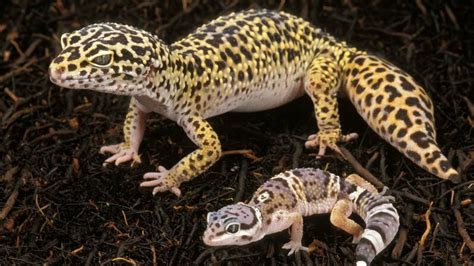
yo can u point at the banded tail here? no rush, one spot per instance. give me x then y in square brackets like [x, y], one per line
[382, 222]
[398, 109]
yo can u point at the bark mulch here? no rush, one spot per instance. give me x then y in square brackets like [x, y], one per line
[60, 206]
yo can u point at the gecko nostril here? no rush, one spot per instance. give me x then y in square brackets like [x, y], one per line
[56, 72]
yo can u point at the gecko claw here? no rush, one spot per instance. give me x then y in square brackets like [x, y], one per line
[110, 149]
[356, 238]
[158, 181]
[328, 139]
[294, 246]
[121, 153]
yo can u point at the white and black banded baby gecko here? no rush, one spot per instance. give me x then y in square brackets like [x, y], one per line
[282, 201]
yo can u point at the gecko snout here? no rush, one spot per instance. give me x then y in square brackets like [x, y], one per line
[55, 73]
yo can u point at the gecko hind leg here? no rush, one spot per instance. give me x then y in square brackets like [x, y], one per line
[321, 84]
[340, 218]
[328, 139]
[361, 182]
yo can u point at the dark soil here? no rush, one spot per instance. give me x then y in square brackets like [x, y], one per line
[60, 206]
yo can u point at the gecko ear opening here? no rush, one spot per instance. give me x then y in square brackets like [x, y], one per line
[258, 215]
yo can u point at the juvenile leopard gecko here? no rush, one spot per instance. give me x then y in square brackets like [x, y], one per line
[282, 201]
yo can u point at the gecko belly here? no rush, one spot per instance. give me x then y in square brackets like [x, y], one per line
[265, 99]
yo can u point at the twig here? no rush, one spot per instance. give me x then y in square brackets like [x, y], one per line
[177, 17]
[179, 242]
[403, 35]
[94, 249]
[12, 198]
[153, 254]
[422, 7]
[122, 259]
[403, 235]
[297, 153]
[435, 233]
[27, 53]
[8, 120]
[242, 176]
[402, 239]
[203, 255]
[40, 210]
[190, 236]
[452, 17]
[11, 94]
[360, 169]
[246, 153]
[383, 165]
[60, 132]
[372, 160]
[461, 227]
[17, 71]
[470, 106]
[412, 253]
[422, 241]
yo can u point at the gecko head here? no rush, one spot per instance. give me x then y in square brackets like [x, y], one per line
[237, 224]
[108, 57]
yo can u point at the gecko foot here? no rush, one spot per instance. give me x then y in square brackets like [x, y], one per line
[328, 139]
[158, 181]
[294, 246]
[121, 153]
[356, 239]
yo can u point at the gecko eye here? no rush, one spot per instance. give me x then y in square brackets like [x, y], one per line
[232, 228]
[104, 60]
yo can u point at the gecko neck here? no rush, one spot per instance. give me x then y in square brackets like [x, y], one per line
[165, 77]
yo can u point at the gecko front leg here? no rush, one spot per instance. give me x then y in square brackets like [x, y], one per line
[195, 163]
[296, 235]
[133, 130]
[321, 84]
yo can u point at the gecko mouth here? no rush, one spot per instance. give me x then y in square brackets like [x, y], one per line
[60, 81]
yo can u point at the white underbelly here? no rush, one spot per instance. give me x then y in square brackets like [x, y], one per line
[269, 98]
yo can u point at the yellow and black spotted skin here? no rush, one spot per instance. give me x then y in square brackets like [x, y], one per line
[248, 61]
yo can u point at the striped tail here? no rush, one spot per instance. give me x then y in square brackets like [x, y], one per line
[382, 222]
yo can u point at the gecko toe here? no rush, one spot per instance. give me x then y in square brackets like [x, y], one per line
[110, 149]
[176, 191]
[322, 150]
[158, 180]
[112, 158]
[294, 246]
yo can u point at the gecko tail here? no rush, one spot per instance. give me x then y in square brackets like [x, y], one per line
[397, 109]
[382, 223]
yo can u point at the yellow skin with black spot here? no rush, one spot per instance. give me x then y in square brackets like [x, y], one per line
[247, 61]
